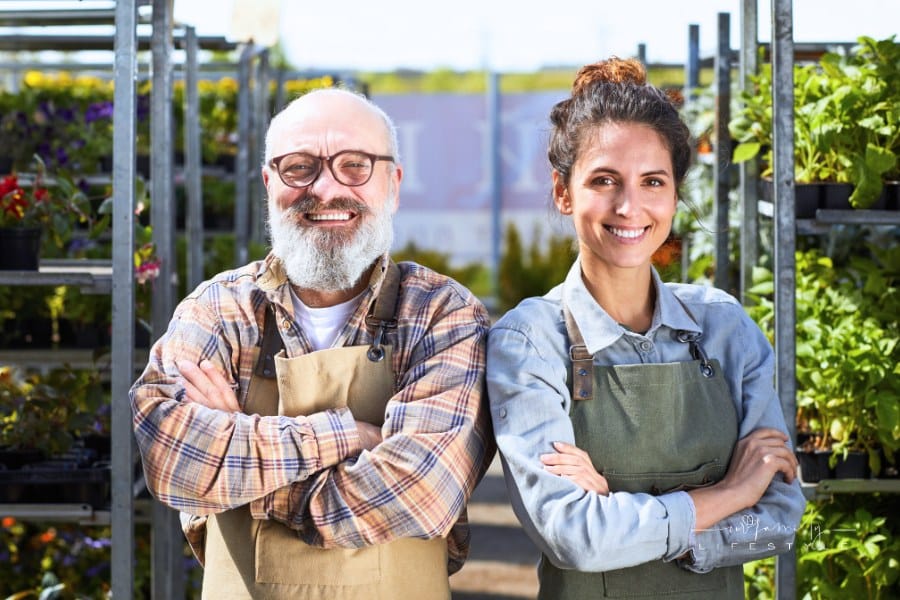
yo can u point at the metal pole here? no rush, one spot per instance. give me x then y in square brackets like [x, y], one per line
[193, 164]
[692, 68]
[167, 541]
[722, 169]
[261, 113]
[493, 118]
[785, 244]
[162, 192]
[691, 83]
[242, 160]
[749, 173]
[122, 375]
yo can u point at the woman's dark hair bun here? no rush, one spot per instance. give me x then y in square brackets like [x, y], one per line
[612, 70]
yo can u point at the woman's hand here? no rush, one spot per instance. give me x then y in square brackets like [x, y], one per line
[205, 385]
[574, 463]
[756, 460]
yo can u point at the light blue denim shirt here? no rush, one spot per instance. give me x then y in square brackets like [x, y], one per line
[529, 398]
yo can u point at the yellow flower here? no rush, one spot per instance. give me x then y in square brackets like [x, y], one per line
[227, 85]
[34, 78]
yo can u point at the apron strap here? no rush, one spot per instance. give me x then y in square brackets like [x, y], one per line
[270, 345]
[384, 313]
[582, 360]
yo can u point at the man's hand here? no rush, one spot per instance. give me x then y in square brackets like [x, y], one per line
[206, 385]
[369, 435]
[575, 464]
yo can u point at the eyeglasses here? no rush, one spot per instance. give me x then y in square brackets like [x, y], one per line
[349, 167]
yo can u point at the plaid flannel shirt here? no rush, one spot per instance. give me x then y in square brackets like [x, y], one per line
[309, 472]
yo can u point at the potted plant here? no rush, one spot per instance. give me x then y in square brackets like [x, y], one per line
[50, 412]
[846, 129]
[847, 356]
[60, 414]
[37, 215]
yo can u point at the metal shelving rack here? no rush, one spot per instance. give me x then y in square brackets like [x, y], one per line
[115, 277]
[786, 228]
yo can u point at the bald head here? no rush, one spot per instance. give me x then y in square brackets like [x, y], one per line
[330, 108]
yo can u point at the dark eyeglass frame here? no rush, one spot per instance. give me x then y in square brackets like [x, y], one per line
[328, 160]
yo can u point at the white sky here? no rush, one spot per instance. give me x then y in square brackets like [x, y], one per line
[514, 35]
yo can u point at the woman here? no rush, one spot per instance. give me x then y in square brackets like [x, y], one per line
[643, 444]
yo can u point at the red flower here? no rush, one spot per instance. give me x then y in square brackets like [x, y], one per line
[9, 183]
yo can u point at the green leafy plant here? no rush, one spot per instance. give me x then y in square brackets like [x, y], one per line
[847, 350]
[474, 276]
[847, 119]
[846, 546]
[49, 412]
[532, 272]
[34, 202]
[849, 548]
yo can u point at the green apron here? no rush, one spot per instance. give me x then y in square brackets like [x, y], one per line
[652, 428]
[247, 558]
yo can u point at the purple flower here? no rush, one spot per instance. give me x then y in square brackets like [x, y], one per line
[62, 157]
[79, 244]
[143, 106]
[66, 114]
[97, 111]
[96, 544]
[97, 569]
[45, 108]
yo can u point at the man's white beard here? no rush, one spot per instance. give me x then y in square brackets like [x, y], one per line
[322, 258]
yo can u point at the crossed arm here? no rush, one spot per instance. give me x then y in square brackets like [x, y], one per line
[206, 385]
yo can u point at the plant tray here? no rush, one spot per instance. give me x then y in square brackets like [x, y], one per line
[46, 483]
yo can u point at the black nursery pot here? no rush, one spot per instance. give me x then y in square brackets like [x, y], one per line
[806, 200]
[836, 196]
[16, 459]
[854, 466]
[814, 465]
[20, 248]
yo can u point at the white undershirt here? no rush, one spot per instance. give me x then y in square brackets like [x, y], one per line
[322, 325]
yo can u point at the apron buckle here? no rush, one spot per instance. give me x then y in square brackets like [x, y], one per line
[376, 352]
[697, 352]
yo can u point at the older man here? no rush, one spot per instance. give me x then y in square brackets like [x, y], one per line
[318, 415]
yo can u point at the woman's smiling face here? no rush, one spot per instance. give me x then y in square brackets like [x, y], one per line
[621, 195]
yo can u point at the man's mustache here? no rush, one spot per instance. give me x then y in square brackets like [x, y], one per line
[310, 204]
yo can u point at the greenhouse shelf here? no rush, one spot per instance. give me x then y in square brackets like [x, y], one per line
[91, 276]
[83, 514]
[828, 487]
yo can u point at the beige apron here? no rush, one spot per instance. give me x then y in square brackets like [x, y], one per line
[261, 559]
